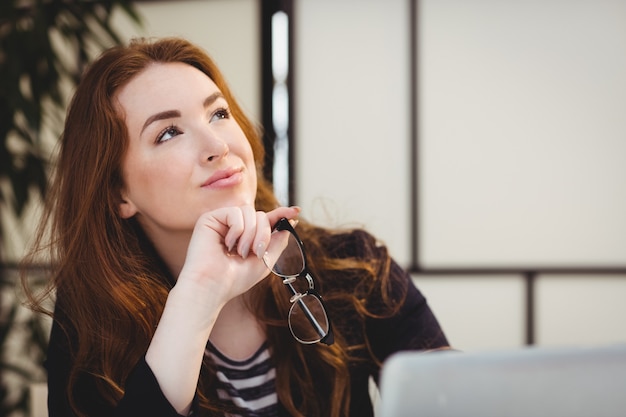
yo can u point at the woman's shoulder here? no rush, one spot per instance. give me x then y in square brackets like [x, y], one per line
[350, 243]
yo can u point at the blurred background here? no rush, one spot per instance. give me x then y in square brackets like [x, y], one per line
[482, 140]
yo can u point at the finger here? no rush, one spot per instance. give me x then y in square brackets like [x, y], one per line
[249, 230]
[263, 234]
[278, 243]
[278, 213]
[235, 222]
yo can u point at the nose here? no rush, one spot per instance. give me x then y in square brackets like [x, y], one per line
[214, 149]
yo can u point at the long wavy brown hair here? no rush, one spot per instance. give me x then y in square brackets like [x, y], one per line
[111, 286]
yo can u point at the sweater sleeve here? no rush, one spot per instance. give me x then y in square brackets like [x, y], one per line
[142, 394]
[399, 316]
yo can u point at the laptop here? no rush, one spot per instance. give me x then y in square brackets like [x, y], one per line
[523, 382]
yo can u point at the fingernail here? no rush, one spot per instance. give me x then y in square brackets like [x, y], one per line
[260, 249]
[297, 208]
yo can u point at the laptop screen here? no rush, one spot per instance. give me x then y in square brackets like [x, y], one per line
[524, 382]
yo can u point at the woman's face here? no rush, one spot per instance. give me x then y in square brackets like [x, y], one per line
[186, 154]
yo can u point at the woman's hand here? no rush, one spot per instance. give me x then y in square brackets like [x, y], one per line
[224, 257]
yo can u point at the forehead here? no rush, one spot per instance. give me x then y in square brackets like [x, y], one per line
[164, 84]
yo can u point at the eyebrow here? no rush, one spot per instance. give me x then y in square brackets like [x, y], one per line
[212, 99]
[170, 114]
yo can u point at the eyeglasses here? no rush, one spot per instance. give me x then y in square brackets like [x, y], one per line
[308, 319]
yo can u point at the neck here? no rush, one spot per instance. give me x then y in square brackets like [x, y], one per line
[237, 333]
[172, 249]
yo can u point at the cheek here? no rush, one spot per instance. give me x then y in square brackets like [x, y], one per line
[245, 150]
[139, 175]
[145, 177]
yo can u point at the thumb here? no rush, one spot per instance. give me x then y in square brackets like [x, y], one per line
[278, 243]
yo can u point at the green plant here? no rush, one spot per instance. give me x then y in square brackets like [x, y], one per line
[24, 339]
[44, 46]
[43, 43]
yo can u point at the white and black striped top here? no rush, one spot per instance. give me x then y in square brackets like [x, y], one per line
[249, 384]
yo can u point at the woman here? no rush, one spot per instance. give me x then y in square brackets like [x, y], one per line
[162, 238]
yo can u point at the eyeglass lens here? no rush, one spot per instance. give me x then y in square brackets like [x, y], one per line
[303, 328]
[291, 261]
[308, 321]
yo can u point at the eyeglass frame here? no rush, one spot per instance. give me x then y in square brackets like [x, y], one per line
[296, 297]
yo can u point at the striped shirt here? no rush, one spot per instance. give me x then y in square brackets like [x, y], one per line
[249, 384]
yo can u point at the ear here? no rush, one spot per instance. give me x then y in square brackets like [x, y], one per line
[127, 208]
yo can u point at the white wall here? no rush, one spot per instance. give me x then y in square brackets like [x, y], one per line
[521, 164]
[522, 136]
[521, 149]
[352, 112]
[583, 309]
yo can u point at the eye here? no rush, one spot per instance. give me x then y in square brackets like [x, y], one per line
[168, 133]
[219, 114]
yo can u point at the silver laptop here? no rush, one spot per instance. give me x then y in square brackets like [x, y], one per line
[524, 382]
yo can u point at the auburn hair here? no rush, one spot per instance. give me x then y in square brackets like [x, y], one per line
[111, 286]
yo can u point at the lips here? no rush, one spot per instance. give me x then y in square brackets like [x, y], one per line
[224, 178]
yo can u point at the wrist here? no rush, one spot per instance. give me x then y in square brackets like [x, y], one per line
[193, 306]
